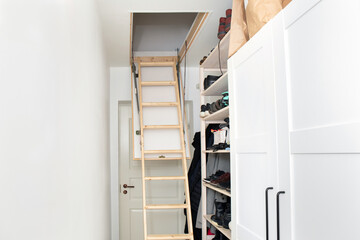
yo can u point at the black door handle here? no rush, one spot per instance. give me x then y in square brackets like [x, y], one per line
[278, 213]
[267, 210]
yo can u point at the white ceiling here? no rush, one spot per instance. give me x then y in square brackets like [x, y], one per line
[160, 31]
[115, 18]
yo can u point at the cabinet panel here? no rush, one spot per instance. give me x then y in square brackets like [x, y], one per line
[253, 125]
[322, 58]
[326, 196]
[323, 61]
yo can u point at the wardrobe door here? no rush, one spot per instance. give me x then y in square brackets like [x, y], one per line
[322, 42]
[253, 137]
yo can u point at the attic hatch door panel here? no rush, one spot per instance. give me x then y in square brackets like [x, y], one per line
[157, 139]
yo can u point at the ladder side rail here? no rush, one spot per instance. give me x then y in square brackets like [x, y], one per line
[142, 155]
[184, 164]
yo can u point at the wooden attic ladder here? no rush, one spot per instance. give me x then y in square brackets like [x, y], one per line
[163, 62]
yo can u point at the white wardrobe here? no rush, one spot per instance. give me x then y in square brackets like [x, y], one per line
[295, 125]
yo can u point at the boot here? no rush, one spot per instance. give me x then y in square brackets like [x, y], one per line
[219, 212]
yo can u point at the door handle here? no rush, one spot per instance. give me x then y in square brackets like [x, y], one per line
[127, 186]
[267, 210]
[278, 213]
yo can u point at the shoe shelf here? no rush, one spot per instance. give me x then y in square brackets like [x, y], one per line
[219, 115]
[226, 232]
[215, 64]
[218, 151]
[217, 189]
[212, 61]
[218, 87]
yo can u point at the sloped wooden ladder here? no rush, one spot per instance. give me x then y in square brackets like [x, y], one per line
[159, 62]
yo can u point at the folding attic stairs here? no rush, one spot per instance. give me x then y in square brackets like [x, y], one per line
[159, 63]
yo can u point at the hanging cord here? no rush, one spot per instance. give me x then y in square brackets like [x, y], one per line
[220, 58]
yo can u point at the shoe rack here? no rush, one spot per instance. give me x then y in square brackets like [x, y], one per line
[211, 66]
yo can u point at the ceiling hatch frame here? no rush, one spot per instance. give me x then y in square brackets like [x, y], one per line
[191, 36]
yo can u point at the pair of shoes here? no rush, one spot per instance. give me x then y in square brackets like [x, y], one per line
[214, 176]
[222, 214]
[219, 212]
[204, 111]
[225, 99]
[223, 178]
[203, 60]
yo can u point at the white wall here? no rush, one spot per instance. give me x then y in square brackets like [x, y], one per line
[54, 170]
[120, 90]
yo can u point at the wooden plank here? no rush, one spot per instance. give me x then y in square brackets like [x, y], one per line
[155, 59]
[184, 163]
[160, 159]
[219, 115]
[217, 189]
[194, 30]
[142, 158]
[156, 64]
[159, 83]
[169, 236]
[162, 151]
[161, 126]
[166, 206]
[165, 178]
[159, 104]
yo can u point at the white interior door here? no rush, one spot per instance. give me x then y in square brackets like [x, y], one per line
[158, 192]
[254, 156]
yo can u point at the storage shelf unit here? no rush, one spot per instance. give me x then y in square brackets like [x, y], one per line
[211, 66]
[226, 232]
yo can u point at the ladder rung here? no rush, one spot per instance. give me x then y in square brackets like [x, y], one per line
[162, 158]
[166, 178]
[169, 236]
[161, 126]
[159, 83]
[159, 104]
[166, 206]
[156, 64]
[162, 151]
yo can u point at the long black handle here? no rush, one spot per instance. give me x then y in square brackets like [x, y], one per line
[267, 210]
[278, 213]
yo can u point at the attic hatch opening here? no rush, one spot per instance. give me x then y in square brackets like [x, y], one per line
[156, 33]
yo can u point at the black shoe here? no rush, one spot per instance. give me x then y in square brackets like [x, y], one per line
[219, 212]
[214, 176]
[225, 185]
[226, 219]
